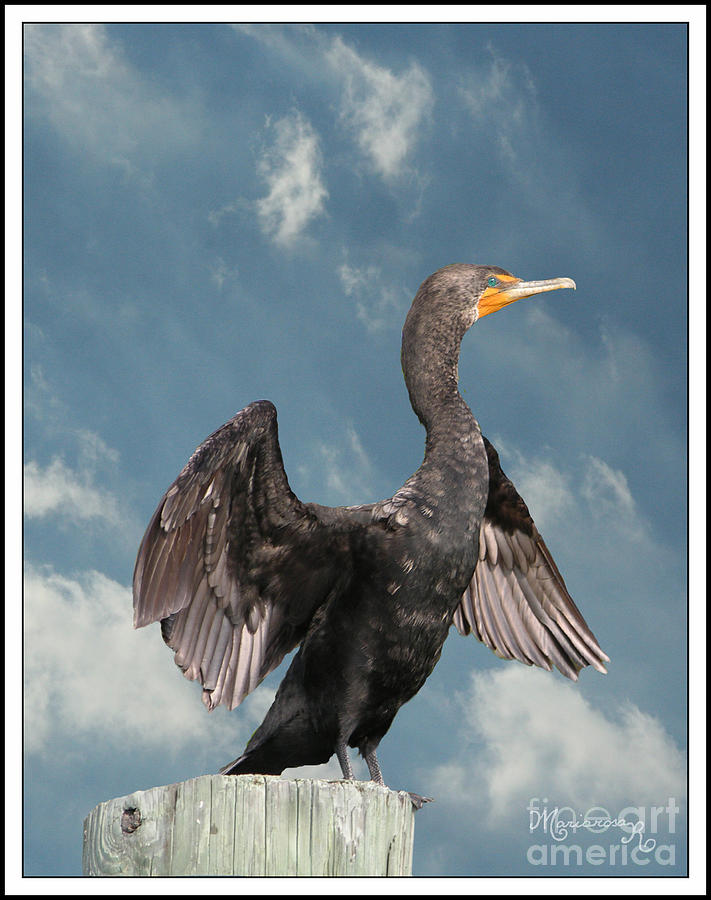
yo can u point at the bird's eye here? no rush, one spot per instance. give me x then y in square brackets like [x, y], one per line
[492, 282]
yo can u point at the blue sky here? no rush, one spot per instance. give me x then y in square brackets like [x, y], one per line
[216, 214]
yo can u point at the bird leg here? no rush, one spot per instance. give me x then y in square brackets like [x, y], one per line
[343, 759]
[374, 768]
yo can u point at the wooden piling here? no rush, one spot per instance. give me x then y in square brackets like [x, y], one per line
[252, 825]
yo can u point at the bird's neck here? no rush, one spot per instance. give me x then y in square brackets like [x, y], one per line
[430, 358]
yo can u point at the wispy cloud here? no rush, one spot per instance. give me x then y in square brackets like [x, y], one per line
[291, 168]
[512, 129]
[215, 216]
[343, 473]
[41, 400]
[220, 272]
[384, 110]
[609, 497]
[58, 490]
[503, 99]
[587, 490]
[76, 492]
[87, 672]
[539, 737]
[622, 574]
[72, 492]
[289, 41]
[547, 489]
[614, 380]
[348, 469]
[378, 305]
[82, 82]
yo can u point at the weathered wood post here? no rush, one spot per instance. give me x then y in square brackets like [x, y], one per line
[252, 825]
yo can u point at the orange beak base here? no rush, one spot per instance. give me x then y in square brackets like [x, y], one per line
[510, 289]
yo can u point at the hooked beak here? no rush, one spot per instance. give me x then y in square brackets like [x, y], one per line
[493, 299]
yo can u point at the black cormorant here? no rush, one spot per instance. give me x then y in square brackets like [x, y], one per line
[239, 571]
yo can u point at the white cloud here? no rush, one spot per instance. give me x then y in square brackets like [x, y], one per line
[347, 469]
[590, 489]
[609, 551]
[539, 737]
[41, 400]
[59, 490]
[384, 110]
[502, 100]
[504, 86]
[216, 216]
[357, 280]
[283, 39]
[81, 81]
[220, 272]
[344, 473]
[93, 449]
[609, 496]
[615, 380]
[75, 493]
[292, 169]
[377, 305]
[88, 673]
[547, 490]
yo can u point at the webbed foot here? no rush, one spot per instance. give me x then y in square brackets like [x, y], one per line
[417, 801]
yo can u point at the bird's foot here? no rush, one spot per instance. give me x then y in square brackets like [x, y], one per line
[417, 801]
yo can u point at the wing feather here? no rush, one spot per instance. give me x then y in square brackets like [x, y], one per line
[218, 641]
[193, 615]
[517, 603]
[232, 564]
[205, 645]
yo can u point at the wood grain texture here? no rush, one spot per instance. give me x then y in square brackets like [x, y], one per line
[252, 825]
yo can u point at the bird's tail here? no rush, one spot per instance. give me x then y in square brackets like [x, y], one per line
[245, 765]
[285, 749]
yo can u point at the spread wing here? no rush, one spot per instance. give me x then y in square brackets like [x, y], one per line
[232, 564]
[517, 602]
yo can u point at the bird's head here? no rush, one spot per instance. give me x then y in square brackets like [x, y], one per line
[446, 305]
[466, 292]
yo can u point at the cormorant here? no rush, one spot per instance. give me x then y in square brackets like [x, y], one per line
[239, 571]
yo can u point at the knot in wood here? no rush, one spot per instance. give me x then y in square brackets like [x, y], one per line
[130, 820]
